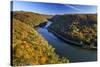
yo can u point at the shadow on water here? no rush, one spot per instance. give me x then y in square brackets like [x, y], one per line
[74, 53]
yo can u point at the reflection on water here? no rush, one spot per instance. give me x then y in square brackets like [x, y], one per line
[74, 53]
[48, 24]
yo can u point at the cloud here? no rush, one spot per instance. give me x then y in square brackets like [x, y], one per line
[73, 7]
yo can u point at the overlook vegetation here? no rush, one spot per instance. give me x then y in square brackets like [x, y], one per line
[29, 47]
[80, 28]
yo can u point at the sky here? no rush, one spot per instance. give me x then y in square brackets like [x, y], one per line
[53, 8]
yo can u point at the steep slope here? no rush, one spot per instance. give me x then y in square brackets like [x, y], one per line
[80, 28]
[29, 47]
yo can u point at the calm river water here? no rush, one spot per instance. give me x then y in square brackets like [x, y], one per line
[73, 53]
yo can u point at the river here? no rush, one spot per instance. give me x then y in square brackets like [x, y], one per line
[73, 53]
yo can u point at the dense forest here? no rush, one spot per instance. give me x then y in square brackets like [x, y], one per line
[79, 28]
[28, 46]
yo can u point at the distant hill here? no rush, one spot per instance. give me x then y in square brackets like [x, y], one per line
[29, 47]
[30, 18]
[81, 28]
[68, 18]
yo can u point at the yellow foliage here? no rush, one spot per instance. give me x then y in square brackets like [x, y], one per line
[43, 60]
[29, 48]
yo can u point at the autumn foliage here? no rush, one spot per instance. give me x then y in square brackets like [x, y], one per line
[80, 28]
[29, 47]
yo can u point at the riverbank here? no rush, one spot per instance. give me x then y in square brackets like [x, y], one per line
[64, 49]
[71, 42]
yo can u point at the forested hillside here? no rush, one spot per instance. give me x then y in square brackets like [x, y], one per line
[80, 28]
[29, 47]
[32, 19]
